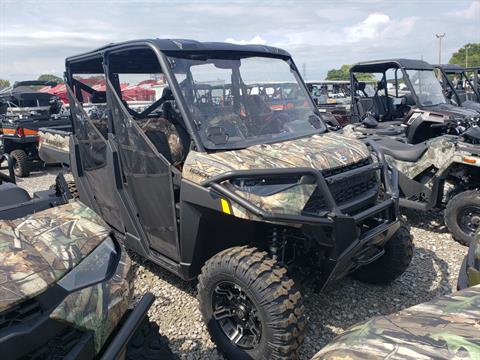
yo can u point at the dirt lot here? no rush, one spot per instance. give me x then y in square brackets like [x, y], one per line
[433, 272]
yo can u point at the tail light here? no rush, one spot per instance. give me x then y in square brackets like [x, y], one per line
[20, 132]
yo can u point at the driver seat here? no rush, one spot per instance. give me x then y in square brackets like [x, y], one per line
[401, 151]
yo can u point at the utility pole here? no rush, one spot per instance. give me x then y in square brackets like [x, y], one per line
[466, 55]
[440, 37]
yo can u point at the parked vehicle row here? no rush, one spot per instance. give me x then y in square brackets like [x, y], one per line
[240, 181]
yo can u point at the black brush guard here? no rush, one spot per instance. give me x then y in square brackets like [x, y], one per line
[352, 246]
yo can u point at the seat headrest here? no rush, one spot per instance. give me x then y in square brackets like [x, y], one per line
[380, 85]
[167, 94]
[361, 85]
[98, 97]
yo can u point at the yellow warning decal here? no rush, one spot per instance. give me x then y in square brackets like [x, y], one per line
[225, 206]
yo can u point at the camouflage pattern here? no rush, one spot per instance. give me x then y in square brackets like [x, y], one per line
[56, 141]
[442, 152]
[37, 250]
[100, 307]
[163, 125]
[325, 151]
[445, 328]
[473, 263]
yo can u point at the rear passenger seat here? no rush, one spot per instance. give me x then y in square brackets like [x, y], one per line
[164, 136]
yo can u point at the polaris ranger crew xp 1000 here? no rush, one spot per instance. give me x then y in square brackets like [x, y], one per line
[232, 191]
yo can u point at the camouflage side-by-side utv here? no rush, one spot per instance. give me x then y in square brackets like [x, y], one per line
[233, 191]
[440, 174]
[445, 328]
[66, 284]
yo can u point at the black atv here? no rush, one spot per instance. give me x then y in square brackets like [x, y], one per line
[23, 110]
[231, 189]
[407, 101]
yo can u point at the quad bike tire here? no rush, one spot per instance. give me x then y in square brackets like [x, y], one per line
[72, 188]
[21, 163]
[462, 215]
[397, 258]
[148, 344]
[262, 284]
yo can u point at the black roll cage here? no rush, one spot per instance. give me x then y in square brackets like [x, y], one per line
[162, 49]
[447, 83]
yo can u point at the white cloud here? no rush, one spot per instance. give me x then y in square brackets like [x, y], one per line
[470, 13]
[379, 26]
[257, 40]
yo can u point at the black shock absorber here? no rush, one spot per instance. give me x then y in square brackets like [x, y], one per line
[274, 245]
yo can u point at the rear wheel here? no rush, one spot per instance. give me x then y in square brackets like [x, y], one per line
[21, 163]
[397, 257]
[462, 215]
[251, 308]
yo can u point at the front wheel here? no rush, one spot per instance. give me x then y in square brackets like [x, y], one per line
[21, 163]
[251, 308]
[396, 259]
[462, 215]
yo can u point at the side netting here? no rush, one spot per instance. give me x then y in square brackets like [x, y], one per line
[148, 176]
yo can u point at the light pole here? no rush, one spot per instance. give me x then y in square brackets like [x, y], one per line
[466, 55]
[440, 37]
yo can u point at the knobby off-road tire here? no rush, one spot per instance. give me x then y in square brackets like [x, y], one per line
[397, 257]
[72, 187]
[148, 344]
[261, 284]
[21, 163]
[462, 215]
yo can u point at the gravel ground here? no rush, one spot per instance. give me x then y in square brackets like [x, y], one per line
[433, 272]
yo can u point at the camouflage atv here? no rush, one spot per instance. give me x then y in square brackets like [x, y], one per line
[438, 174]
[445, 328]
[66, 283]
[233, 191]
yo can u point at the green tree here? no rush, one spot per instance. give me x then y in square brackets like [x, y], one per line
[4, 83]
[458, 57]
[50, 77]
[344, 74]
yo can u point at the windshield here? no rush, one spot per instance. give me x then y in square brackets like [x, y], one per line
[244, 101]
[426, 87]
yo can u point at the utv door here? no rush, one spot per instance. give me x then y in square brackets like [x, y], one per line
[148, 180]
[94, 178]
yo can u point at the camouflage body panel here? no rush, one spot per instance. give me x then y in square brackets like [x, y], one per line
[442, 152]
[445, 328]
[100, 307]
[324, 151]
[37, 250]
[54, 141]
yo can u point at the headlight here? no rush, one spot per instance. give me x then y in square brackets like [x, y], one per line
[98, 266]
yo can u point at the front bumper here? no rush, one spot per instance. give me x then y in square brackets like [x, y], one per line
[356, 238]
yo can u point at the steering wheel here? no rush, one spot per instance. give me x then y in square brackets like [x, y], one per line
[273, 123]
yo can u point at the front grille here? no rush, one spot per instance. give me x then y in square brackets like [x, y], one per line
[57, 347]
[23, 312]
[344, 191]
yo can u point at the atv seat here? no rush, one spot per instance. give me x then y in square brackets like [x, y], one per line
[402, 151]
[11, 194]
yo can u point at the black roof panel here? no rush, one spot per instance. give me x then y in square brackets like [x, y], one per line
[382, 65]
[180, 45]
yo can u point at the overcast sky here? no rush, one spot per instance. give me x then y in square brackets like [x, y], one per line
[36, 36]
